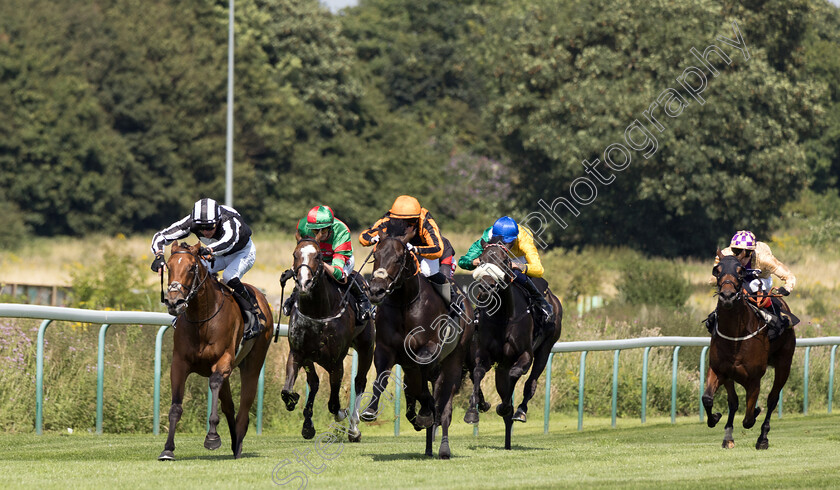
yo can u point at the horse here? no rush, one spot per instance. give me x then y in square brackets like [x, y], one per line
[414, 330]
[208, 328]
[740, 351]
[504, 337]
[321, 329]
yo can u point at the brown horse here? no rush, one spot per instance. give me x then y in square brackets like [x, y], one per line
[740, 351]
[504, 337]
[321, 329]
[208, 329]
[413, 329]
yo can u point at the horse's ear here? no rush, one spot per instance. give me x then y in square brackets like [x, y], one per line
[483, 243]
[194, 249]
[719, 254]
[410, 232]
[297, 236]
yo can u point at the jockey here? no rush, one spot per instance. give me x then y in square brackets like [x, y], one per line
[227, 247]
[757, 256]
[333, 236]
[526, 264]
[427, 242]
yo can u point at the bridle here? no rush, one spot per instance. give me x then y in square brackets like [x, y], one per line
[507, 254]
[739, 296]
[316, 272]
[194, 289]
[381, 273]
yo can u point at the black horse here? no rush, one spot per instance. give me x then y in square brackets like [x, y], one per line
[504, 337]
[413, 329]
[322, 329]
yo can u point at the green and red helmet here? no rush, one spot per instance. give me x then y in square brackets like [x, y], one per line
[320, 217]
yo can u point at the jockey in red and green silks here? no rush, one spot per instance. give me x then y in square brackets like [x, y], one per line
[334, 239]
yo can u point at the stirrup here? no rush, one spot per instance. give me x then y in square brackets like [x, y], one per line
[253, 327]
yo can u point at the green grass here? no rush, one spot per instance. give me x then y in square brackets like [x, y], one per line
[803, 453]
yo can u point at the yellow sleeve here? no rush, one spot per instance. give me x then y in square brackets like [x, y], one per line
[768, 262]
[525, 243]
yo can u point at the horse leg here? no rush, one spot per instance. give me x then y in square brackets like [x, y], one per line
[383, 360]
[444, 392]
[732, 400]
[226, 400]
[178, 377]
[480, 370]
[308, 430]
[411, 411]
[779, 380]
[364, 346]
[249, 374]
[221, 371]
[752, 398]
[290, 398]
[333, 405]
[519, 368]
[504, 386]
[712, 386]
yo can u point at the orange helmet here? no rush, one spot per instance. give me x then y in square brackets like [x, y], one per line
[405, 207]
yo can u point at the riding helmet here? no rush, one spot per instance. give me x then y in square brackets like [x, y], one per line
[405, 207]
[320, 217]
[743, 239]
[506, 228]
[205, 212]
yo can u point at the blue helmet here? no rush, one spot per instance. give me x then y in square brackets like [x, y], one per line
[506, 228]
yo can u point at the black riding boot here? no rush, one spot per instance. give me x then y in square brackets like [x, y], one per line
[442, 286]
[254, 318]
[545, 312]
[364, 309]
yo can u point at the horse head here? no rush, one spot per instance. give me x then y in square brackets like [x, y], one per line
[729, 273]
[308, 265]
[390, 260]
[186, 275]
[494, 269]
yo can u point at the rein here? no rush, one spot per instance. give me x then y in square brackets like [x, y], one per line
[393, 284]
[741, 295]
[316, 276]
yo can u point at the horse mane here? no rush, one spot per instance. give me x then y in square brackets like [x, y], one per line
[395, 228]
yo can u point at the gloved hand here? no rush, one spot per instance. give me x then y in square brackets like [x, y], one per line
[375, 239]
[285, 276]
[411, 248]
[783, 291]
[157, 263]
[205, 253]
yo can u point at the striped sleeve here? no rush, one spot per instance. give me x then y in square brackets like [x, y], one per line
[176, 230]
[230, 236]
[366, 236]
[342, 246]
[430, 233]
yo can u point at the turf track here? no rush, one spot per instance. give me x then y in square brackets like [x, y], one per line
[804, 452]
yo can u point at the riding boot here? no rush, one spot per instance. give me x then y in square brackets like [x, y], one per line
[442, 286]
[364, 309]
[544, 311]
[251, 313]
[290, 302]
[711, 321]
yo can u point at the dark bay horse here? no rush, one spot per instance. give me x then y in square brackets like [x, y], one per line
[208, 329]
[413, 329]
[321, 329]
[740, 353]
[503, 337]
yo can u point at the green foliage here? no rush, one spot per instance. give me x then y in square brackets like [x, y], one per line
[653, 283]
[814, 218]
[117, 281]
[15, 229]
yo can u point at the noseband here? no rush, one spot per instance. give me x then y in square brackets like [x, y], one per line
[177, 286]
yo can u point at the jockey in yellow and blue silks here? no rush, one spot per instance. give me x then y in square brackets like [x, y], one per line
[520, 243]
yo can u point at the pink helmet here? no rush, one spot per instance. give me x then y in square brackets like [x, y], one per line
[743, 239]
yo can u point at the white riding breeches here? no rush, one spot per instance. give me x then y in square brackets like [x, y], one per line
[234, 265]
[429, 267]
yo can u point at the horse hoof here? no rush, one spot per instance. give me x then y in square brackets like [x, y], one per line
[483, 407]
[748, 424]
[714, 419]
[504, 410]
[340, 415]
[424, 421]
[471, 417]
[520, 416]
[354, 437]
[728, 444]
[762, 444]
[368, 415]
[212, 442]
[516, 372]
[308, 431]
[166, 455]
[290, 399]
[444, 452]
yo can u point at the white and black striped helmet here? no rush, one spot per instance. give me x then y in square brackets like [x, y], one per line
[205, 212]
